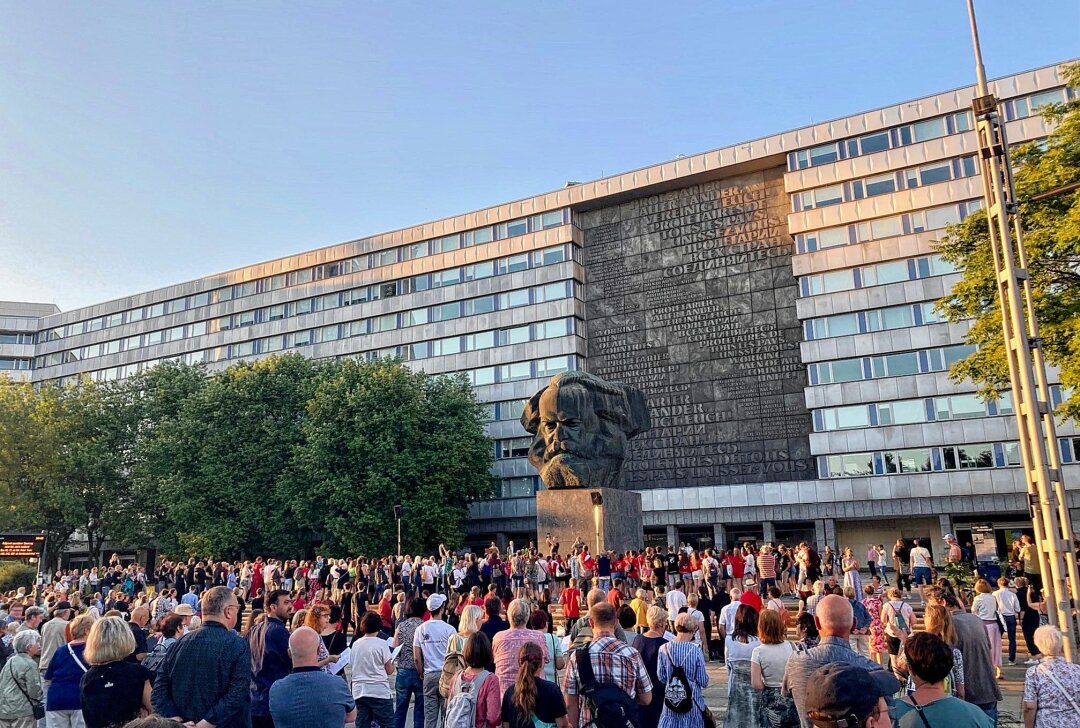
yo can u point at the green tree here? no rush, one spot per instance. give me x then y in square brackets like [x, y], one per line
[378, 434]
[1052, 239]
[216, 457]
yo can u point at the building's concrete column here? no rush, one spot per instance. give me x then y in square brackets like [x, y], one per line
[825, 533]
[502, 540]
[719, 536]
[673, 536]
[819, 534]
[769, 532]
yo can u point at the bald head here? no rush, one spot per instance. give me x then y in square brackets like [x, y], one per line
[304, 647]
[594, 597]
[834, 616]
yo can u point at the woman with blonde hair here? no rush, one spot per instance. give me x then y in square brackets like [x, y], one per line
[938, 621]
[649, 644]
[66, 669]
[532, 700]
[114, 691]
[984, 606]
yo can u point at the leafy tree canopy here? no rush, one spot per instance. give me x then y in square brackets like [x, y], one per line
[1052, 239]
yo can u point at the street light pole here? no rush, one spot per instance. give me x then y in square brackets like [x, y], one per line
[1027, 367]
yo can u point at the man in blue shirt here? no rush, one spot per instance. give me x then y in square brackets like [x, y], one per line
[269, 644]
[309, 697]
[834, 617]
[191, 599]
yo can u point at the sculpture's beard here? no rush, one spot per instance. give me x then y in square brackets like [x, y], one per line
[567, 470]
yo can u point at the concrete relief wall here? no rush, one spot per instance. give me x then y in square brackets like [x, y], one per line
[690, 296]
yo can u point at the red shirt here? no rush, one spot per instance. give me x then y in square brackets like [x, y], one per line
[614, 598]
[386, 612]
[571, 601]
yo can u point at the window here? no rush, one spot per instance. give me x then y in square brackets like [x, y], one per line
[357, 328]
[550, 367]
[883, 184]
[274, 283]
[517, 227]
[904, 412]
[839, 418]
[482, 340]
[933, 173]
[446, 311]
[1029, 105]
[414, 317]
[552, 291]
[517, 335]
[823, 197]
[245, 318]
[514, 263]
[550, 256]
[514, 372]
[484, 304]
[479, 236]
[511, 409]
[480, 270]
[386, 322]
[843, 370]
[832, 237]
[299, 277]
[842, 324]
[516, 447]
[513, 299]
[895, 365]
[244, 348]
[553, 329]
[303, 306]
[519, 487]
[929, 129]
[328, 333]
[959, 406]
[882, 273]
[274, 343]
[303, 338]
[871, 143]
[276, 313]
[1012, 453]
[964, 457]
[551, 219]
[850, 465]
[445, 277]
[445, 244]
[445, 347]
[480, 377]
[384, 257]
[414, 251]
[356, 295]
[908, 461]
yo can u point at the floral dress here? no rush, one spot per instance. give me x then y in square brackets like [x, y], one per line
[877, 627]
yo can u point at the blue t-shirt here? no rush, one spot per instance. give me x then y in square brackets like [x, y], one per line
[310, 698]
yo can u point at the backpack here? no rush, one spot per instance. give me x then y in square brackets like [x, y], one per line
[610, 706]
[898, 621]
[454, 663]
[678, 695]
[461, 705]
[152, 661]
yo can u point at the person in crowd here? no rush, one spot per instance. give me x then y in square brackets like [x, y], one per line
[410, 688]
[506, 646]
[767, 664]
[468, 624]
[169, 628]
[63, 705]
[818, 593]
[980, 686]
[612, 661]
[879, 649]
[685, 653]
[309, 697]
[806, 633]
[738, 652]
[648, 646]
[1029, 555]
[899, 620]
[478, 679]
[113, 690]
[429, 654]
[32, 619]
[581, 632]
[268, 643]
[54, 632]
[850, 567]
[834, 618]
[20, 684]
[555, 657]
[938, 621]
[984, 606]
[1008, 606]
[493, 621]
[205, 678]
[922, 564]
[1030, 600]
[844, 694]
[372, 665]
[1052, 687]
[140, 618]
[860, 632]
[929, 661]
[532, 700]
[318, 618]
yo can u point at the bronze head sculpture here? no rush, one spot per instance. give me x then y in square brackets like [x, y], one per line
[581, 425]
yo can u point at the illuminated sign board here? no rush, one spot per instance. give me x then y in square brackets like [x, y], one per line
[21, 545]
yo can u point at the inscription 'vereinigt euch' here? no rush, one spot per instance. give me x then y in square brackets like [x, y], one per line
[691, 298]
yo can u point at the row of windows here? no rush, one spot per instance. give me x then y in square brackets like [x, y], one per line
[879, 141]
[16, 337]
[877, 319]
[522, 487]
[13, 363]
[878, 274]
[329, 301]
[910, 411]
[920, 460]
[883, 184]
[1025, 106]
[888, 365]
[335, 269]
[513, 447]
[933, 218]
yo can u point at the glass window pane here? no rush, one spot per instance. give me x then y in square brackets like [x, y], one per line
[838, 280]
[880, 185]
[832, 237]
[939, 217]
[847, 370]
[907, 411]
[913, 461]
[929, 129]
[897, 317]
[855, 416]
[902, 364]
[551, 219]
[885, 228]
[857, 464]
[517, 227]
[446, 311]
[933, 173]
[826, 196]
[891, 272]
[975, 456]
[824, 154]
[843, 324]
[874, 142]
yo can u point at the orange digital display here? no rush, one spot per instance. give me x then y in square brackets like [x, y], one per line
[21, 545]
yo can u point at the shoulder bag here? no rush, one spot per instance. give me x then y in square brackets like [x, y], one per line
[38, 708]
[1057, 683]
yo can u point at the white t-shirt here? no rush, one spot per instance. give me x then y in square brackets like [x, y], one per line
[431, 637]
[696, 614]
[920, 558]
[428, 574]
[773, 661]
[727, 616]
[676, 600]
[369, 657]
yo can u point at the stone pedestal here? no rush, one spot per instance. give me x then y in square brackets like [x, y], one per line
[568, 513]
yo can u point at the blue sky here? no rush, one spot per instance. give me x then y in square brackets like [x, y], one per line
[143, 144]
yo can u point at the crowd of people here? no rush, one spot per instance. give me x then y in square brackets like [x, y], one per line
[529, 638]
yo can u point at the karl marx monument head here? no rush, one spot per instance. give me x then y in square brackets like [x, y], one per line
[581, 425]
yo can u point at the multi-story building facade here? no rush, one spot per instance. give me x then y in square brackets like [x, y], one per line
[19, 323]
[775, 300]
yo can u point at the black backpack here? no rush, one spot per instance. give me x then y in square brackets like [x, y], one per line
[610, 706]
[678, 696]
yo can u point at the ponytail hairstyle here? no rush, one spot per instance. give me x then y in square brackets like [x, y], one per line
[530, 657]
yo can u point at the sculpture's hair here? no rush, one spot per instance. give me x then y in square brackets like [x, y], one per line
[617, 403]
